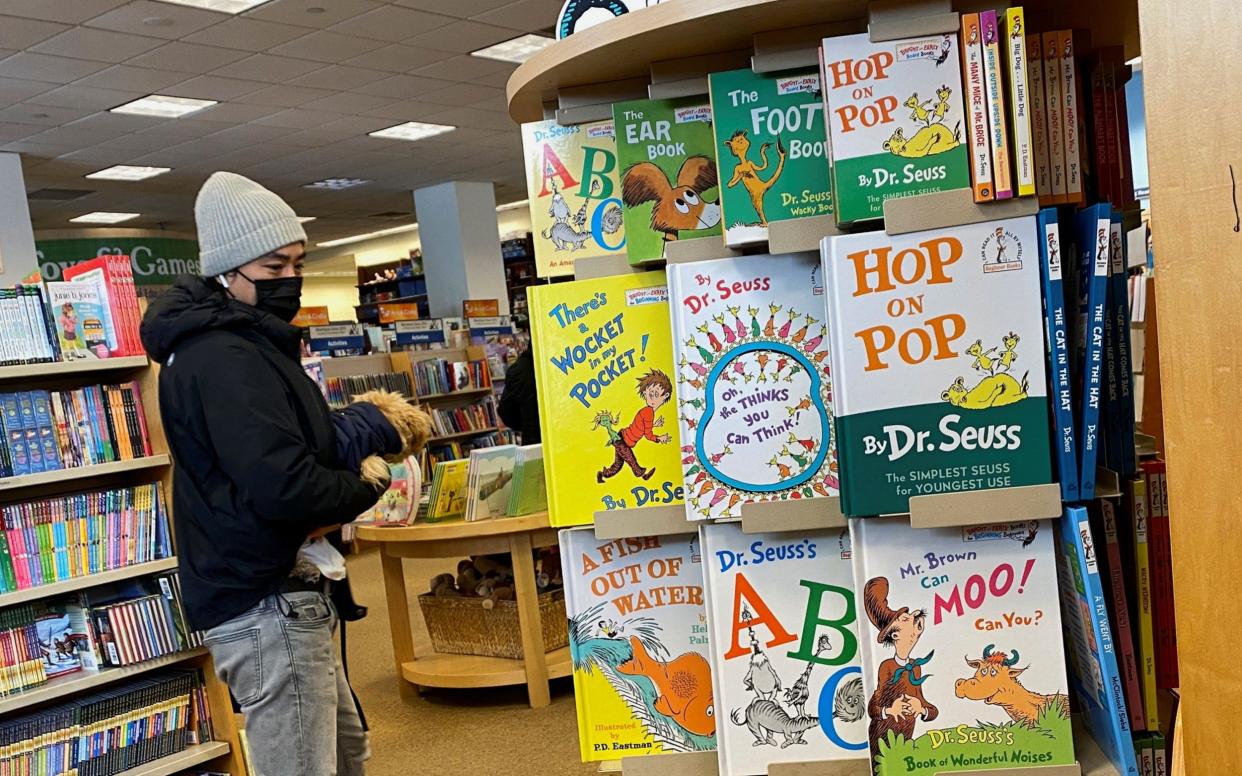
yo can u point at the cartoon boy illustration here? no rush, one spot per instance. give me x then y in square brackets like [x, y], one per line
[898, 700]
[655, 389]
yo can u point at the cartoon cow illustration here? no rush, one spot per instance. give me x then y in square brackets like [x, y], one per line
[996, 683]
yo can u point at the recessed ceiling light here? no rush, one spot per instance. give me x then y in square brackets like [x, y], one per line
[367, 236]
[223, 6]
[335, 184]
[163, 106]
[1135, 61]
[412, 130]
[127, 172]
[304, 219]
[518, 49]
[512, 205]
[103, 217]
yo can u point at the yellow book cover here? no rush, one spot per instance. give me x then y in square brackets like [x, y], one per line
[1147, 636]
[450, 492]
[604, 370]
[574, 193]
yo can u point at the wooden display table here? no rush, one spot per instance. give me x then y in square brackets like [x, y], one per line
[515, 535]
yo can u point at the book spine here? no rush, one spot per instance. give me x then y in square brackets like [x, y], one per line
[1020, 107]
[1164, 623]
[1095, 257]
[1147, 637]
[1054, 111]
[976, 108]
[1071, 112]
[1126, 659]
[1058, 354]
[1125, 370]
[994, 90]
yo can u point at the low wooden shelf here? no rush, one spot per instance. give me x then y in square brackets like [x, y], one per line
[453, 394]
[88, 581]
[181, 761]
[462, 434]
[23, 481]
[80, 681]
[80, 366]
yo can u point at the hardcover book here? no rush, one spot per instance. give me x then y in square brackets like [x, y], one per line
[772, 147]
[1055, 104]
[937, 362]
[753, 386]
[491, 479]
[1019, 101]
[604, 371]
[1071, 109]
[1127, 662]
[398, 504]
[1039, 116]
[1145, 605]
[1059, 371]
[1092, 228]
[78, 310]
[963, 666]
[784, 646]
[639, 644]
[667, 156]
[574, 192]
[976, 108]
[994, 90]
[895, 120]
[530, 486]
[448, 490]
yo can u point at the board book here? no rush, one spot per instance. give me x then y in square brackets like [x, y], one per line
[1059, 369]
[753, 387]
[574, 191]
[398, 504]
[530, 487]
[638, 640]
[976, 109]
[1019, 101]
[666, 154]
[937, 362]
[1039, 116]
[448, 490]
[1071, 110]
[994, 91]
[81, 326]
[490, 481]
[961, 636]
[604, 371]
[784, 646]
[895, 120]
[772, 149]
[1055, 106]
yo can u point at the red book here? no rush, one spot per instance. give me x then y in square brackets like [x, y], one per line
[1127, 662]
[1161, 558]
[101, 268]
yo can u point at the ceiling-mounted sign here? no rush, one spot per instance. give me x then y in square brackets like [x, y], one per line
[156, 261]
[480, 308]
[428, 331]
[344, 336]
[311, 316]
[391, 312]
[577, 15]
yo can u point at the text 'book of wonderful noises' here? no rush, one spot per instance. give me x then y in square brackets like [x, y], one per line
[753, 390]
[962, 654]
[638, 640]
[937, 362]
[784, 647]
[604, 370]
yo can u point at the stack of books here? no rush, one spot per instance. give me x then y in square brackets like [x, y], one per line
[437, 376]
[341, 390]
[475, 417]
[26, 333]
[94, 310]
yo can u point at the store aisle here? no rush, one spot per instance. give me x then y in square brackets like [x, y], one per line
[449, 732]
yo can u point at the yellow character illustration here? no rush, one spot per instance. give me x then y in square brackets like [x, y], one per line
[1010, 353]
[983, 358]
[918, 110]
[747, 172]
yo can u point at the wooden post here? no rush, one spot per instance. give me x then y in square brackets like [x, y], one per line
[1195, 161]
[529, 621]
[398, 618]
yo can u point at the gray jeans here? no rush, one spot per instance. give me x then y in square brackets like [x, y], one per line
[278, 659]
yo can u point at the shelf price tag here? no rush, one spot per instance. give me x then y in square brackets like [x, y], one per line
[346, 336]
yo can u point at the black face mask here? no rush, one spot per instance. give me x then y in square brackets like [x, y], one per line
[282, 297]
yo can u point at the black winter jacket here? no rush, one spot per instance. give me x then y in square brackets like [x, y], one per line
[254, 446]
[519, 402]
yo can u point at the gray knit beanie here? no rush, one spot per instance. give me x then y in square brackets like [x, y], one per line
[239, 221]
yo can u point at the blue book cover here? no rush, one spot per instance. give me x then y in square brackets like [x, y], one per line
[1061, 391]
[1092, 226]
[1095, 678]
[47, 431]
[1119, 293]
[15, 435]
[30, 429]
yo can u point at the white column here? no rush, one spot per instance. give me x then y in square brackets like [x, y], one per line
[17, 248]
[461, 245]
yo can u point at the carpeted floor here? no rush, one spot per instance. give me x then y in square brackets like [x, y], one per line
[487, 732]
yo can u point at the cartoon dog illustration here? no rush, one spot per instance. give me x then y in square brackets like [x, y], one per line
[678, 207]
[929, 140]
[747, 172]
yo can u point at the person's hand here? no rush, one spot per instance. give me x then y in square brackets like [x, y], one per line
[318, 532]
[663, 439]
[658, 422]
[899, 709]
[916, 706]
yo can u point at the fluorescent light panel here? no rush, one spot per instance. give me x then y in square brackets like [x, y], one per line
[335, 184]
[305, 219]
[518, 49]
[163, 106]
[512, 205]
[128, 172]
[412, 130]
[367, 236]
[223, 6]
[103, 217]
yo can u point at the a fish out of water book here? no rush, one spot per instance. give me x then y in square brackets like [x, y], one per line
[574, 192]
[784, 642]
[937, 362]
[604, 370]
[895, 120]
[772, 150]
[963, 665]
[639, 644]
[667, 156]
[753, 386]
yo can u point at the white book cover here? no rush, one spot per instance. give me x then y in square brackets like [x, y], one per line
[753, 386]
[963, 652]
[784, 644]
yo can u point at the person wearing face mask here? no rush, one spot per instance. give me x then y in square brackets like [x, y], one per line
[260, 465]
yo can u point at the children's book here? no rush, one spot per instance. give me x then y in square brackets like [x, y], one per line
[1127, 662]
[399, 503]
[491, 480]
[604, 371]
[666, 154]
[963, 666]
[530, 487]
[1055, 105]
[976, 108]
[58, 643]
[937, 362]
[784, 645]
[895, 120]
[1039, 116]
[1097, 682]
[1019, 101]
[574, 192]
[1059, 372]
[753, 390]
[1071, 110]
[448, 490]
[1119, 307]
[639, 644]
[1160, 559]
[772, 148]
[1092, 227]
[78, 311]
[994, 90]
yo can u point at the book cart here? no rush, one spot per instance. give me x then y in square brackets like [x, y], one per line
[222, 754]
[579, 78]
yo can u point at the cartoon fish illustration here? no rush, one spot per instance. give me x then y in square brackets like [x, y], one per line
[754, 322]
[706, 487]
[820, 489]
[809, 444]
[780, 467]
[820, 356]
[739, 366]
[800, 334]
[684, 685]
[733, 499]
[711, 337]
[718, 496]
[715, 457]
[805, 404]
[696, 384]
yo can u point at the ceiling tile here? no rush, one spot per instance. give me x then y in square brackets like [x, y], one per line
[159, 20]
[525, 15]
[235, 113]
[187, 57]
[392, 24]
[458, 8]
[473, 117]
[18, 33]
[249, 133]
[402, 86]
[75, 96]
[100, 157]
[461, 67]
[248, 34]
[115, 124]
[463, 37]
[284, 96]
[357, 124]
[499, 79]
[403, 110]
[134, 79]
[465, 94]
[141, 143]
[42, 150]
[340, 78]
[345, 102]
[311, 13]
[15, 90]
[397, 58]
[268, 68]
[326, 47]
[211, 87]
[40, 67]
[298, 119]
[70, 13]
[100, 45]
[11, 132]
[71, 136]
[41, 115]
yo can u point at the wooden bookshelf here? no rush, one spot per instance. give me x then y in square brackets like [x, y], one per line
[23, 481]
[463, 434]
[78, 367]
[184, 760]
[81, 681]
[468, 392]
[88, 581]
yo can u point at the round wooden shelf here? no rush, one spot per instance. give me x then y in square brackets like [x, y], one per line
[626, 46]
[454, 529]
[466, 671]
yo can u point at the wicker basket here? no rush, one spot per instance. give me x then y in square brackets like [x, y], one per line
[461, 626]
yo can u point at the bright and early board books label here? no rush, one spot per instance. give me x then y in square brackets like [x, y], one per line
[895, 120]
[938, 362]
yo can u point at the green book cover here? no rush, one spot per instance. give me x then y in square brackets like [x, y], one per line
[667, 156]
[530, 488]
[773, 150]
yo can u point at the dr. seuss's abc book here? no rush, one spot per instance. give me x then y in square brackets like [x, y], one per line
[754, 397]
[895, 120]
[938, 362]
[1097, 681]
[638, 641]
[963, 664]
[574, 193]
[784, 641]
[667, 157]
[772, 150]
[607, 400]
